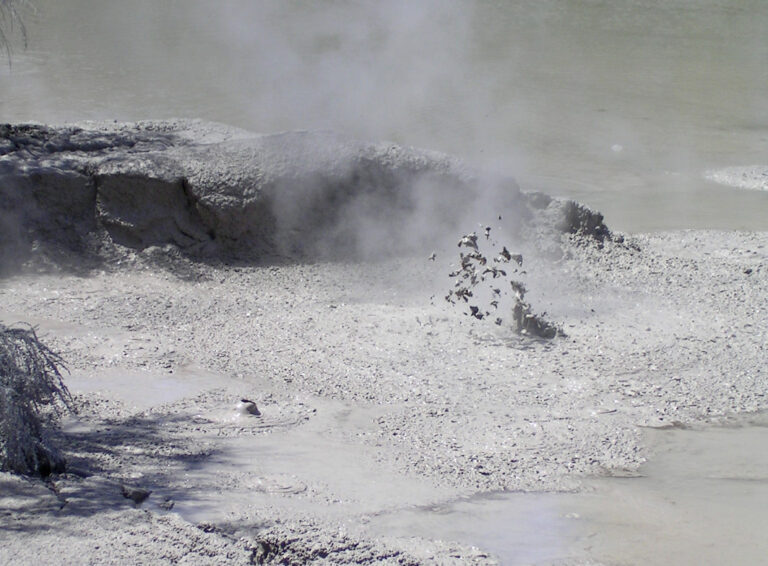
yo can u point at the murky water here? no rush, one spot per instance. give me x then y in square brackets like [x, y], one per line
[622, 105]
[141, 389]
[702, 499]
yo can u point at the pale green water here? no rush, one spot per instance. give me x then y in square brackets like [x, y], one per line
[622, 105]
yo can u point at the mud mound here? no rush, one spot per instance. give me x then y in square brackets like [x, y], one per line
[754, 177]
[214, 191]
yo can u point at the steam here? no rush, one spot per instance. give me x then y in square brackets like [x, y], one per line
[371, 202]
[543, 90]
[366, 69]
[400, 71]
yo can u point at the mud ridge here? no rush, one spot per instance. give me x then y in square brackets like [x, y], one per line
[93, 190]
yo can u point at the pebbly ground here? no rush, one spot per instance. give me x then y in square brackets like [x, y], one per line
[375, 394]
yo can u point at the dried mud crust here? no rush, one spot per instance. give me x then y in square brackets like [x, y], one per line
[91, 523]
[358, 368]
[93, 192]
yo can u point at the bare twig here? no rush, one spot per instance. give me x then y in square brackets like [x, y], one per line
[32, 396]
[10, 20]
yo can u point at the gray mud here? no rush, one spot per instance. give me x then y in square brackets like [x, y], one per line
[754, 177]
[701, 499]
[377, 399]
[217, 193]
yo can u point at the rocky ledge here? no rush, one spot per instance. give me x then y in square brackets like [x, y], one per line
[213, 191]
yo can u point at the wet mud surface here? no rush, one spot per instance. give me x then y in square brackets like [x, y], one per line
[377, 399]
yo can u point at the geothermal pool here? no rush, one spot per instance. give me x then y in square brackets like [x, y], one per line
[374, 424]
[621, 106]
[701, 499]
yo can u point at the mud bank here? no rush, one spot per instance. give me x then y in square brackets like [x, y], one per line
[753, 178]
[375, 396]
[215, 192]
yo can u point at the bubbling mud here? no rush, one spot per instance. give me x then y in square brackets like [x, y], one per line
[483, 287]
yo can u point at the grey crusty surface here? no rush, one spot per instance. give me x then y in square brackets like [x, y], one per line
[375, 395]
[217, 192]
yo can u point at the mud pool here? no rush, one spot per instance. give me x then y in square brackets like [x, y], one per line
[393, 429]
[626, 105]
[702, 498]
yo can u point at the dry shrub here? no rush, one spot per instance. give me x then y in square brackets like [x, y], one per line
[11, 22]
[32, 396]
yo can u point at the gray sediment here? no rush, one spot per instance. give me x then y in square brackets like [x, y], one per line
[212, 191]
[754, 177]
[374, 394]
